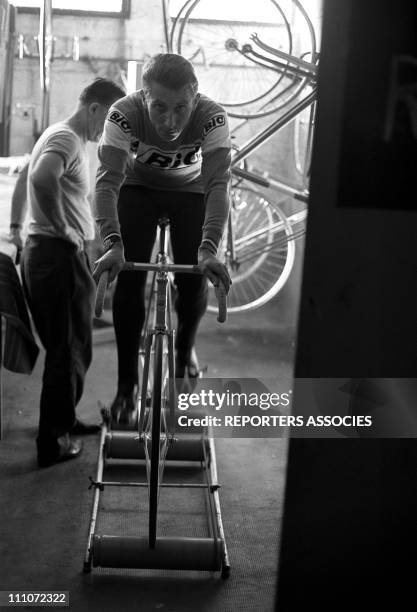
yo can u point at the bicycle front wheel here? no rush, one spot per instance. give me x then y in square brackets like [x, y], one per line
[261, 256]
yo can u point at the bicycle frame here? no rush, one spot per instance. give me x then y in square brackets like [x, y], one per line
[243, 249]
[304, 71]
[254, 143]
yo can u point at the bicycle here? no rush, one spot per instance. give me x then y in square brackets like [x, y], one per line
[157, 403]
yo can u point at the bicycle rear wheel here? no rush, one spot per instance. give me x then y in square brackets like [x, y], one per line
[264, 252]
[157, 437]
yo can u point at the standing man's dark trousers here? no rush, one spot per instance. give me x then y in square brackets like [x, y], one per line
[60, 293]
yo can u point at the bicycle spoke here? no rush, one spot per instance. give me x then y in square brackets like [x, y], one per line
[263, 249]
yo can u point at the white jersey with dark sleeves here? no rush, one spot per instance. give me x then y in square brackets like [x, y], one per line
[132, 153]
[131, 146]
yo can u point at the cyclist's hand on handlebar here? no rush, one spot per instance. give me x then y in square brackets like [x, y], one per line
[16, 237]
[212, 267]
[113, 261]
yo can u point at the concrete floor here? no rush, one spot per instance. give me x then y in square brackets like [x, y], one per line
[44, 514]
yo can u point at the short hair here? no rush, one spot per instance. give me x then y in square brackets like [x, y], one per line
[103, 91]
[170, 70]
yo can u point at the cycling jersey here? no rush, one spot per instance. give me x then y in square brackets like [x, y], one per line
[131, 152]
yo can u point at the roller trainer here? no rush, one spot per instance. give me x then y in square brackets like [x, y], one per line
[157, 442]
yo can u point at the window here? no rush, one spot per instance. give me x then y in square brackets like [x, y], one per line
[221, 10]
[111, 8]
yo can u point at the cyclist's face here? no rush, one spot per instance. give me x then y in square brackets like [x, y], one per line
[169, 109]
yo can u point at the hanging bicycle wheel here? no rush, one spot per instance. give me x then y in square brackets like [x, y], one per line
[259, 255]
[230, 66]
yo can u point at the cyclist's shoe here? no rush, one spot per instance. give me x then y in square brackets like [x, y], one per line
[187, 371]
[124, 410]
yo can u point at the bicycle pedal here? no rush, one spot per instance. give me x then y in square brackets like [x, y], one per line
[198, 373]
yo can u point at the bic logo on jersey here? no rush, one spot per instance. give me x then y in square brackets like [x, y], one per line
[186, 156]
[215, 122]
[119, 120]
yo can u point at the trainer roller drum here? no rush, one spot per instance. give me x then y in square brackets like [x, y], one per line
[197, 554]
[125, 445]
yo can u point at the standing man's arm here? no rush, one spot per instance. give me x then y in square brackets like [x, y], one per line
[19, 207]
[45, 181]
[114, 150]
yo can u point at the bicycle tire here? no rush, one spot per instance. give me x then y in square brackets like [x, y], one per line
[265, 252]
[219, 45]
[155, 472]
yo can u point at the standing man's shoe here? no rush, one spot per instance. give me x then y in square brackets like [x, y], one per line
[57, 450]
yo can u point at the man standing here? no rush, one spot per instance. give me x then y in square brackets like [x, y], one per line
[165, 151]
[55, 271]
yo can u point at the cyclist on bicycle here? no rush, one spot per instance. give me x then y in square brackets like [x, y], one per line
[165, 151]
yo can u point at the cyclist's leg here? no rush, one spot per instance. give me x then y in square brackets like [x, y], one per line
[138, 220]
[187, 217]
